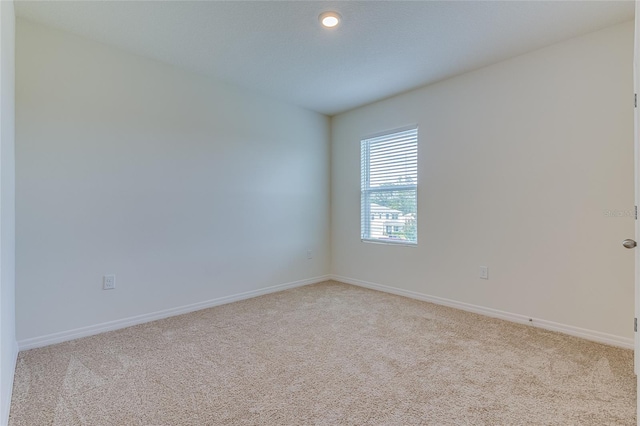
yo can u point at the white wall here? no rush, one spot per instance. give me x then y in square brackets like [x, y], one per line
[187, 189]
[518, 163]
[8, 346]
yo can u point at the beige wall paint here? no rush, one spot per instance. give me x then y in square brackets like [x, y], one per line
[518, 164]
[184, 188]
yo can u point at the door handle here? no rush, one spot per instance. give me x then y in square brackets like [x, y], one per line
[629, 243]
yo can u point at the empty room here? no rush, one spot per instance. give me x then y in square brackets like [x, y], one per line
[318, 212]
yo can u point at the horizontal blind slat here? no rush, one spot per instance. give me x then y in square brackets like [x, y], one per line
[380, 152]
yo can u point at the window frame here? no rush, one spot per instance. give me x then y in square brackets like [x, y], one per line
[365, 192]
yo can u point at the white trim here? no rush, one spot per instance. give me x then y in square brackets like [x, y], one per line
[389, 242]
[636, 190]
[596, 336]
[390, 132]
[6, 400]
[50, 339]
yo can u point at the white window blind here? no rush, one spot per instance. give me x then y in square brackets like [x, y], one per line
[389, 187]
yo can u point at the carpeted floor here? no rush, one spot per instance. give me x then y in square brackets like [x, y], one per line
[326, 354]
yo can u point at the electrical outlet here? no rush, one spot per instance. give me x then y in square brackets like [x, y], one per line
[309, 254]
[109, 282]
[484, 272]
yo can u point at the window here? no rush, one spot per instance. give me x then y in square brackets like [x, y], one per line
[389, 187]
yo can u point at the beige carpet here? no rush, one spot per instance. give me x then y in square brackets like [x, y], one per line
[327, 354]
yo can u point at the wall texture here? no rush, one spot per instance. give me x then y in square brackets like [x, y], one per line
[526, 167]
[186, 189]
[8, 346]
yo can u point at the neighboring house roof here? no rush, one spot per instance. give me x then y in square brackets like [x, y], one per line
[376, 208]
[394, 223]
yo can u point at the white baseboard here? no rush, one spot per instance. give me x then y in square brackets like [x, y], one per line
[6, 397]
[50, 339]
[595, 336]
[64, 336]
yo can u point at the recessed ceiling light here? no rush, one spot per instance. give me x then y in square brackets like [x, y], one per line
[329, 19]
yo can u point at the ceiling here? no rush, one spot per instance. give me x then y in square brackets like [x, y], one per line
[279, 49]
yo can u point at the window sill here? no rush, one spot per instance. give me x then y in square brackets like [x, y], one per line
[389, 242]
